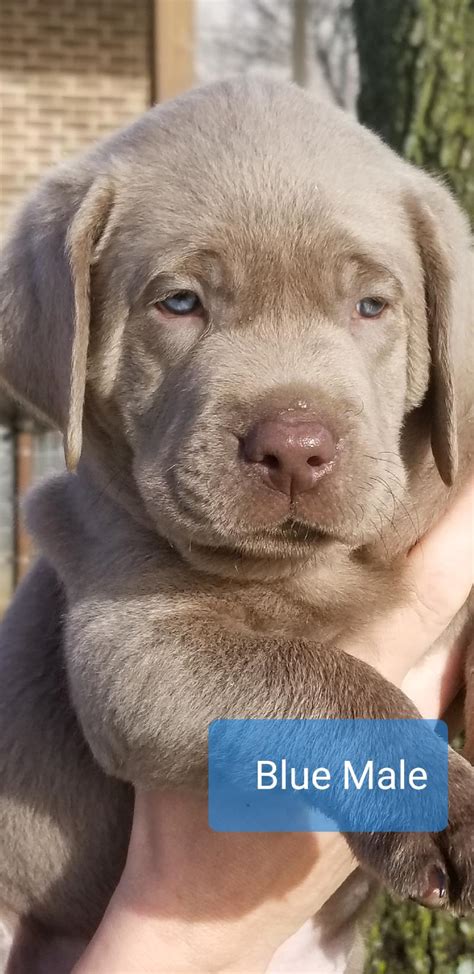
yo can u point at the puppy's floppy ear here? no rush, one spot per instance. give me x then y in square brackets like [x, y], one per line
[45, 302]
[443, 241]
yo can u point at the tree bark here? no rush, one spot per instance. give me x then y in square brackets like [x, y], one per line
[417, 83]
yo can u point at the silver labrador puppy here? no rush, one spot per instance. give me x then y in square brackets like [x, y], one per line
[251, 321]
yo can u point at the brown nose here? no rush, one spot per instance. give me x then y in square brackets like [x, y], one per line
[292, 453]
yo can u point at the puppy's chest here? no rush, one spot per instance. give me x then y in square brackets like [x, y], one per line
[308, 607]
[281, 613]
[275, 616]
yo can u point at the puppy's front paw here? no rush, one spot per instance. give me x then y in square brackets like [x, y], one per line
[458, 846]
[457, 842]
[436, 869]
[410, 864]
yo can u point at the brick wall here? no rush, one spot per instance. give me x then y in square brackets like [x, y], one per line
[70, 71]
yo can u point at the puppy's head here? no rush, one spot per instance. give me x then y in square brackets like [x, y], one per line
[242, 298]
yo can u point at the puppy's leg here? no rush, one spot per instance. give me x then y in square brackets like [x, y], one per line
[35, 950]
[185, 669]
[468, 751]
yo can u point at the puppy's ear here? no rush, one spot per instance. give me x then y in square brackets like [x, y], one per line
[443, 241]
[45, 305]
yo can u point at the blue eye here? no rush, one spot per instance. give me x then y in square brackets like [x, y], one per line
[370, 307]
[181, 303]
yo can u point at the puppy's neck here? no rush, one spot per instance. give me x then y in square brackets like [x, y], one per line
[112, 481]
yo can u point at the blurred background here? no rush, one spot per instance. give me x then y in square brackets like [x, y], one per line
[73, 70]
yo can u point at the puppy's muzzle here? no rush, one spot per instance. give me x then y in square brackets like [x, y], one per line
[291, 452]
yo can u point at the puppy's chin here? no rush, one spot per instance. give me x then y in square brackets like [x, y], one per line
[295, 541]
[288, 540]
[299, 533]
[218, 528]
[255, 558]
[271, 552]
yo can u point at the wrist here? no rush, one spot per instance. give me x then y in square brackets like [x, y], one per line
[191, 900]
[139, 943]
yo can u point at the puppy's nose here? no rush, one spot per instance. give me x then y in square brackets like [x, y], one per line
[291, 453]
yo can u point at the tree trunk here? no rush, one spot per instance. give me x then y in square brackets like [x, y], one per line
[417, 83]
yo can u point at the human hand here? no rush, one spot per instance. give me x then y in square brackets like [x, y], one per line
[191, 900]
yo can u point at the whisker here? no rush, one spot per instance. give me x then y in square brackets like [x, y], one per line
[403, 505]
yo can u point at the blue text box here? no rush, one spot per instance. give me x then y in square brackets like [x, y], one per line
[328, 775]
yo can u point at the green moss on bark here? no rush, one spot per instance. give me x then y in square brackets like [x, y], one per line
[408, 939]
[417, 83]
